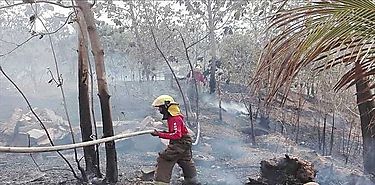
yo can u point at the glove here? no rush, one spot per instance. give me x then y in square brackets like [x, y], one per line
[155, 133]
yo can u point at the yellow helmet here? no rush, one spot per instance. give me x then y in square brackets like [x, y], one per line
[164, 100]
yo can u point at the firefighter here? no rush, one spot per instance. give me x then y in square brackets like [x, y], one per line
[179, 147]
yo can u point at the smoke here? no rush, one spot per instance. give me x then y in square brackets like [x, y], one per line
[234, 108]
[230, 107]
[216, 159]
[224, 177]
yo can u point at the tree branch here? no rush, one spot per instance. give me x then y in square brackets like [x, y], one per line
[173, 73]
[60, 86]
[191, 45]
[41, 1]
[37, 117]
[37, 165]
[195, 84]
[35, 35]
[6, 1]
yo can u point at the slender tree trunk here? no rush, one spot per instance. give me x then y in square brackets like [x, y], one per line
[282, 123]
[84, 99]
[347, 153]
[220, 109]
[324, 134]
[312, 90]
[145, 63]
[212, 39]
[319, 137]
[297, 125]
[252, 125]
[298, 120]
[249, 109]
[343, 142]
[300, 106]
[332, 132]
[366, 108]
[256, 114]
[98, 52]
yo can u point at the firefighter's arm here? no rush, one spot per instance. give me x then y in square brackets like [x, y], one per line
[176, 134]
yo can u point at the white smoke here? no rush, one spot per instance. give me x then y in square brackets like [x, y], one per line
[232, 107]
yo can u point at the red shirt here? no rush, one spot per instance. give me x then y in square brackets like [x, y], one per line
[176, 128]
[199, 77]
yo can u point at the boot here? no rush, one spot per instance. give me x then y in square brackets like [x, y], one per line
[191, 181]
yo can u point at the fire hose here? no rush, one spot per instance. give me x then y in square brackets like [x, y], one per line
[70, 146]
[198, 134]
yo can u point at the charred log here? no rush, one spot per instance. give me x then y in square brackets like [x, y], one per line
[284, 171]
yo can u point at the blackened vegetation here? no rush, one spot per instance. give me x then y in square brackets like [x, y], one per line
[284, 171]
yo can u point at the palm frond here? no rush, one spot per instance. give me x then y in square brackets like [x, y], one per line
[324, 34]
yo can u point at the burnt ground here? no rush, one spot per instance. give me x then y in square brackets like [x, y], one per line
[218, 162]
[223, 156]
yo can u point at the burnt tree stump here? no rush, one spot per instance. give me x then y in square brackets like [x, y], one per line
[284, 171]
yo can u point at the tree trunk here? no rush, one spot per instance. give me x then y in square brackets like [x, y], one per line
[257, 112]
[220, 101]
[312, 89]
[324, 134]
[83, 97]
[319, 137]
[212, 38]
[300, 106]
[98, 52]
[297, 124]
[349, 146]
[253, 141]
[332, 132]
[366, 109]
[144, 61]
[343, 142]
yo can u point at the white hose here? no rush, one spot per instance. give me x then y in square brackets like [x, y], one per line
[198, 134]
[70, 146]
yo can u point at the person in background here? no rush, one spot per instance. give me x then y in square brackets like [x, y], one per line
[179, 147]
[198, 75]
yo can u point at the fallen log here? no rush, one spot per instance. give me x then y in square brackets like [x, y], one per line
[70, 146]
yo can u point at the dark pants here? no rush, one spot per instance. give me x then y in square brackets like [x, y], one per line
[178, 151]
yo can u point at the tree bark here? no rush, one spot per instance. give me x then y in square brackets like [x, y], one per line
[83, 97]
[98, 52]
[366, 108]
